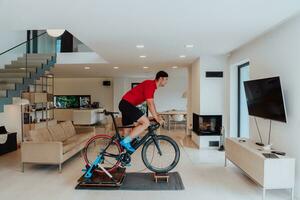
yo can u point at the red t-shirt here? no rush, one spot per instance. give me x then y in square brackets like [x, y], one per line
[141, 92]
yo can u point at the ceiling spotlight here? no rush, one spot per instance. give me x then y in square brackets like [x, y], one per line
[145, 67]
[87, 68]
[143, 56]
[140, 46]
[189, 46]
[174, 67]
[116, 67]
[182, 56]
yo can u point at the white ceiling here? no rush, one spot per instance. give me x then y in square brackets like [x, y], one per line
[113, 28]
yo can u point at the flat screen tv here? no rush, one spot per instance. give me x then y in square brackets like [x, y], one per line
[72, 101]
[265, 98]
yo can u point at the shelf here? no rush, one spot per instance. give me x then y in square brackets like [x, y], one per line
[36, 123]
[50, 109]
[40, 95]
[41, 85]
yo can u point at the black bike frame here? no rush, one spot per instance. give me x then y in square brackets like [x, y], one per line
[150, 135]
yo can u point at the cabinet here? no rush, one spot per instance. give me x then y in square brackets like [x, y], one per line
[269, 173]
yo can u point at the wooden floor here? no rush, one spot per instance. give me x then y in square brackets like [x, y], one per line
[202, 171]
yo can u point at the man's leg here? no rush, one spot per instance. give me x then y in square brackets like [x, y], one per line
[126, 132]
[143, 123]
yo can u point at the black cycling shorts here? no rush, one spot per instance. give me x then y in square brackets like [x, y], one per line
[130, 113]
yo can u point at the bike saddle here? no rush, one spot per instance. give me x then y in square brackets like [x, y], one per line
[128, 126]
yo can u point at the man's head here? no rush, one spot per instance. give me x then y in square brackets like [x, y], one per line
[161, 78]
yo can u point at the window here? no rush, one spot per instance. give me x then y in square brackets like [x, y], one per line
[243, 117]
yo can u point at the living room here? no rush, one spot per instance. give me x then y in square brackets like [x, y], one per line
[207, 68]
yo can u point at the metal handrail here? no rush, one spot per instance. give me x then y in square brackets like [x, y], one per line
[22, 43]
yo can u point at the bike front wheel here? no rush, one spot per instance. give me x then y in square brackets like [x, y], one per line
[160, 154]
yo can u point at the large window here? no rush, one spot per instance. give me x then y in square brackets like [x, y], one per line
[72, 101]
[243, 117]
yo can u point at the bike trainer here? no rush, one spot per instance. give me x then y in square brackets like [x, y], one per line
[99, 180]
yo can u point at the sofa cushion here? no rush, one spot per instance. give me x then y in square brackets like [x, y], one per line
[74, 141]
[57, 133]
[83, 137]
[68, 128]
[40, 135]
[69, 144]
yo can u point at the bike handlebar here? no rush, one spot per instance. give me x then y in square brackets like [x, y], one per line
[153, 125]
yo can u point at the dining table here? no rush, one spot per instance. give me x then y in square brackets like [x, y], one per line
[168, 114]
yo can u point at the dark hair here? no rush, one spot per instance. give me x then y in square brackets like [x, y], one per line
[161, 74]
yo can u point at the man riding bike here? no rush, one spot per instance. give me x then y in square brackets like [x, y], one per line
[131, 114]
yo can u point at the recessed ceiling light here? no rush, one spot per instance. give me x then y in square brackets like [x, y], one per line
[140, 46]
[116, 67]
[22, 68]
[189, 46]
[143, 56]
[174, 67]
[145, 67]
[182, 56]
[87, 68]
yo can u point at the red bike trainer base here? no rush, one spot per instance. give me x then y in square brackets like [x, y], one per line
[102, 180]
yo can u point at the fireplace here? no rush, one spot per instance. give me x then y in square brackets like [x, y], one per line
[210, 125]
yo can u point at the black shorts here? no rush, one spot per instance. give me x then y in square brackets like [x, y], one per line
[130, 113]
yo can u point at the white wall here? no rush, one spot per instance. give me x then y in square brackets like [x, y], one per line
[275, 53]
[86, 86]
[9, 40]
[166, 98]
[212, 89]
[189, 98]
[195, 87]
[11, 119]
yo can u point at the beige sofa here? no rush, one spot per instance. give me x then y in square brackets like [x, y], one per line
[54, 144]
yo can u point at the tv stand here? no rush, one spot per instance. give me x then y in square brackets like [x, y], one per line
[269, 173]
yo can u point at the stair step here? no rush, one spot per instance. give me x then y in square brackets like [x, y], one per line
[39, 55]
[3, 93]
[7, 86]
[36, 57]
[14, 75]
[11, 80]
[10, 66]
[41, 60]
[29, 62]
[17, 70]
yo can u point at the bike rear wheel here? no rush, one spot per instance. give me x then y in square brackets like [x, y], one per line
[96, 145]
[169, 158]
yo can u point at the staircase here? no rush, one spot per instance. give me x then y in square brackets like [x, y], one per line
[20, 73]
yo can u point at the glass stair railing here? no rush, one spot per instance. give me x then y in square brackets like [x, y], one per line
[24, 63]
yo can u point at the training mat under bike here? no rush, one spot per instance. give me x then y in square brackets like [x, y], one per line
[141, 181]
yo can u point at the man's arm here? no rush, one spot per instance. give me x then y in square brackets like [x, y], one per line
[152, 108]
